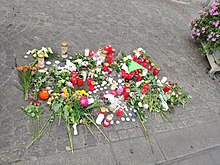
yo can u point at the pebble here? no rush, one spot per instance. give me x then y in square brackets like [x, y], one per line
[108, 85]
[70, 57]
[101, 89]
[122, 119]
[90, 92]
[102, 85]
[133, 120]
[112, 115]
[134, 110]
[127, 119]
[57, 62]
[26, 56]
[123, 84]
[105, 87]
[94, 91]
[117, 122]
[112, 122]
[130, 114]
[119, 75]
[114, 82]
[48, 63]
[98, 86]
[119, 81]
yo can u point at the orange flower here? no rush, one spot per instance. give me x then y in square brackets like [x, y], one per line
[25, 68]
[20, 68]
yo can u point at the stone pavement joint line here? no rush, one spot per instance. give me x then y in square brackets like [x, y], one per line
[161, 27]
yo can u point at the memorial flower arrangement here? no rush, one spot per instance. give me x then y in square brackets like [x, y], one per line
[206, 29]
[98, 88]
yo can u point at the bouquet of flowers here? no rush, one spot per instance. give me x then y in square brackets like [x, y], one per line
[206, 29]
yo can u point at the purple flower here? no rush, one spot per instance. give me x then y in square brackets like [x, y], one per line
[217, 35]
[203, 28]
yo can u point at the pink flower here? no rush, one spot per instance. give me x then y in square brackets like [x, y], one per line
[69, 84]
[84, 101]
[217, 35]
[63, 95]
[203, 28]
[213, 39]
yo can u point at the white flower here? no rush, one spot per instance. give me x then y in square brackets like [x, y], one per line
[91, 100]
[44, 49]
[34, 55]
[173, 93]
[129, 57]
[164, 79]
[33, 51]
[110, 80]
[124, 67]
[140, 104]
[50, 50]
[146, 106]
[138, 83]
[144, 72]
[45, 55]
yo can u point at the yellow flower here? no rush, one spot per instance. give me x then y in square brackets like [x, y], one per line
[67, 106]
[82, 92]
[66, 93]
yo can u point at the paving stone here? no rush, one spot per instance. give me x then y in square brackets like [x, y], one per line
[93, 156]
[189, 140]
[113, 136]
[123, 134]
[136, 151]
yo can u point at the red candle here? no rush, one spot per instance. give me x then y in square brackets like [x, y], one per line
[110, 59]
[105, 68]
[74, 80]
[109, 49]
[151, 66]
[139, 78]
[126, 94]
[74, 74]
[92, 86]
[156, 71]
[126, 87]
[143, 58]
[134, 58]
[119, 112]
[89, 80]
[91, 53]
[139, 61]
[80, 80]
[166, 89]
[122, 73]
[145, 64]
[106, 48]
[145, 88]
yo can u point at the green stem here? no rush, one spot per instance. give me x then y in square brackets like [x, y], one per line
[89, 128]
[40, 132]
[60, 116]
[146, 132]
[26, 95]
[31, 129]
[70, 136]
[92, 120]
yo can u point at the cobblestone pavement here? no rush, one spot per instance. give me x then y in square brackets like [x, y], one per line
[159, 26]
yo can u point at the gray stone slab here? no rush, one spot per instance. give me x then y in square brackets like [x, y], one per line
[136, 151]
[187, 141]
[86, 156]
